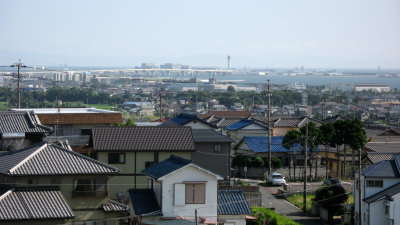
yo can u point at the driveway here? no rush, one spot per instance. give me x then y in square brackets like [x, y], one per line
[269, 200]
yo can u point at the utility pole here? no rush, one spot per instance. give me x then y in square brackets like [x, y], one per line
[160, 95]
[195, 217]
[359, 189]
[269, 128]
[305, 173]
[19, 65]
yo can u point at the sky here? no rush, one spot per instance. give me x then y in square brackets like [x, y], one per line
[255, 33]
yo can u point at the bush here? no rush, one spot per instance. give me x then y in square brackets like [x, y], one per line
[268, 217]
[327, 196]
[242, 183]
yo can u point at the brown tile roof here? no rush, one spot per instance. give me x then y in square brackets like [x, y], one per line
[240, 114]
[143, 139]
[80, 118]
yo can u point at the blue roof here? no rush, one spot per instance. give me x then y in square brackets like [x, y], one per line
[184, 118]
[232, 202]
[260, 144]
[165, 167]
[386, 168]
[144, 201]
[240, 124]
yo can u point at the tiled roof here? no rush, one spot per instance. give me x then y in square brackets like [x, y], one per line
[384, 139]
[50, 159]
[232, 202]
[386, 169]
[208, 135]
[21, 122]
[239, 125]
[80, 118]
[334, 119]
[260, 144]
[388, 192]
[143, 139]
[184, 118]
[165, 167]
[294, 122]
[240, 114]
[113, 206]
[383, 147]
[171, 222]
[377, 157]
[144, 202]
[34, 203]
[224, 122]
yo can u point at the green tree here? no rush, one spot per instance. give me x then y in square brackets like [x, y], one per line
[329, 198]
[327, 132]
[231, 88]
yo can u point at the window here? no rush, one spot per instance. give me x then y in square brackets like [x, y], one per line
[85, 131]
[90, 187]
[195, 193]
[156, 157]
[387, 209]
[217, 148]
[55, 181]
[375, 183]
[116, 158]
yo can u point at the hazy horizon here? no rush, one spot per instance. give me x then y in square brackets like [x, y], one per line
[257, 34]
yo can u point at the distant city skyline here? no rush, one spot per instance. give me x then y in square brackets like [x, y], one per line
[275, 34]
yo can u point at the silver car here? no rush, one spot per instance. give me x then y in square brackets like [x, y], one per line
[276, 179]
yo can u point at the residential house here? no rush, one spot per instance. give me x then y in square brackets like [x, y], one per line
[178, 189]
[246, 128]
[237, 107]
[75, 124]
[380, 193]
[132, 149]
[213, 151]
[21, 129]
[219, 108]
[54, 183]
[281, 126]
[216, 116]
[189, 120]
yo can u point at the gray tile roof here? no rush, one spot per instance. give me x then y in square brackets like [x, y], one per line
[144, 202]
[224, 122]
[50, 159]
[388, 192]
[232, 202]
[143, 139]
[377, 157]
[383, 147]
[113, 206]
[208, 135]
[21, 122]
[34, 203]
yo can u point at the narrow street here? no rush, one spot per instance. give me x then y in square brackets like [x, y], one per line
[285, 208]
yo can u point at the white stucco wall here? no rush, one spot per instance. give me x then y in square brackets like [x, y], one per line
[187, 174]
[387, 182]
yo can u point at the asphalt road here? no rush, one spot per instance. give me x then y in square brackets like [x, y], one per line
[269, 200]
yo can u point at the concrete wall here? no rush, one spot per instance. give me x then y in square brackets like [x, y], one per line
[233, 219]
[187, 174]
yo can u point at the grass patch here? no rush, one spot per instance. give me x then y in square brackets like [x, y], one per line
[269, 217]
[297, 200]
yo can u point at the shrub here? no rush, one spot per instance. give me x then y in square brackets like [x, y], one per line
[268, 217]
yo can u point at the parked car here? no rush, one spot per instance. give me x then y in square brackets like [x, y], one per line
[333, 181]
[276, 179]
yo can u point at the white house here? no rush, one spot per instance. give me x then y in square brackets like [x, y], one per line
[178, 189]
[380, 193]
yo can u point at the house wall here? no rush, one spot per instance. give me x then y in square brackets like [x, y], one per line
[281, 131]
[373, 190]
[232, 219]
[186, 174]
[129, 175]
[217, 162]
[197, 125]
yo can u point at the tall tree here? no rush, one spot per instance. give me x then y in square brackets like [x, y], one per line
[339, 140]
[327, 133]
